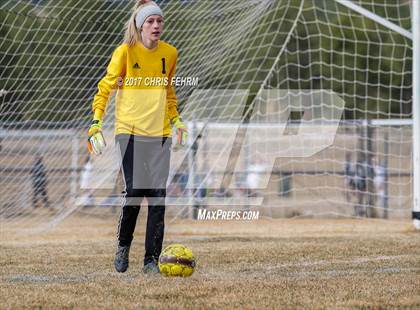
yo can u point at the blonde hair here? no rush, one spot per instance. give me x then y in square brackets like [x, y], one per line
[132, 34]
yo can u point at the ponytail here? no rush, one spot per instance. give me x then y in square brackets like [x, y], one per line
[139, 3]
[132, 34]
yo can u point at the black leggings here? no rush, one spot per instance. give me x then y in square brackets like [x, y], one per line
[145, 168]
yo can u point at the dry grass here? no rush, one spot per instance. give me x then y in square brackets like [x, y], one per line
[303, 263]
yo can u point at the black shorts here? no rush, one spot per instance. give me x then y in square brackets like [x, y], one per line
[145, 167]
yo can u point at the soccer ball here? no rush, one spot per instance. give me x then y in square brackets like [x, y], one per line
[176, 260]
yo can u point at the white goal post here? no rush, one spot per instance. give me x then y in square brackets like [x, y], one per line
[416, 112]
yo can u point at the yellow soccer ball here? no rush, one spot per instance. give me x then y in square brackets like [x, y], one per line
[176, 260]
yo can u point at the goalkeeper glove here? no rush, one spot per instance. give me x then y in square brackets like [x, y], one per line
[96, 140]
[181, 132]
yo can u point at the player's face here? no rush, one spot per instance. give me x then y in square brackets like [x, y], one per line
[152, 28]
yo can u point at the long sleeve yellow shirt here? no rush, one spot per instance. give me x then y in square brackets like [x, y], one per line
[145, 99]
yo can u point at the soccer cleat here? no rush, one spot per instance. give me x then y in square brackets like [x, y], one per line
[151, 268]
[121, 258]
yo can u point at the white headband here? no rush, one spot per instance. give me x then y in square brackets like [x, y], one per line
[145, 13]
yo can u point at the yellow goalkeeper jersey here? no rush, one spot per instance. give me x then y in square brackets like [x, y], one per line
[145, 99]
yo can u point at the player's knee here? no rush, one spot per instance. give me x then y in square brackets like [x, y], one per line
[158, 213]
[133, 196]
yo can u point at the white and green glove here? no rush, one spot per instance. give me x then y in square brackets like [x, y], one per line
[96, 140]
[181, 133]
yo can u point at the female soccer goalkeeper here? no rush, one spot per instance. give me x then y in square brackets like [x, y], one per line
[141, 70]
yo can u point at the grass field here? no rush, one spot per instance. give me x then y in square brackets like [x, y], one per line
[294, 263]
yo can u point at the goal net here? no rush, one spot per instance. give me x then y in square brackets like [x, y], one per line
[302, 108]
